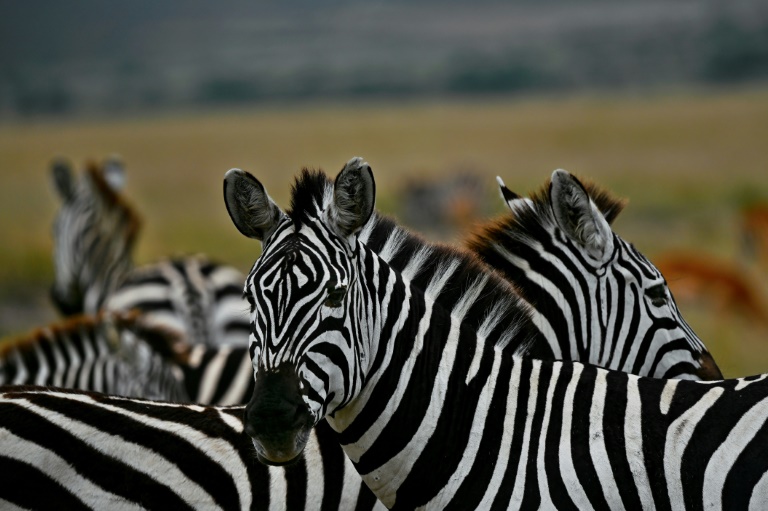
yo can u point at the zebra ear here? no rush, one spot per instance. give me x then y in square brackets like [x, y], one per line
[513, 201]
[578, 216]
[63, 181]
[354, 196]
[251, 209]
[114, 172]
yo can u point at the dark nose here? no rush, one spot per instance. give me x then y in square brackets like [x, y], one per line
[263, 416]
[276, 418]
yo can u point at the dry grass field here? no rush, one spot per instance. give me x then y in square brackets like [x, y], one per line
[688, 162]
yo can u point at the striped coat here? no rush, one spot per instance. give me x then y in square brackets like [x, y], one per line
[394, 357]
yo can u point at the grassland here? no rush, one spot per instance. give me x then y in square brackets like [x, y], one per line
[688, 162]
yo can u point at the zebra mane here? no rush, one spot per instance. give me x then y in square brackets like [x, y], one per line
[310, 194]
[168, 343]
[533, 222]
[453, 277]
[113, 200]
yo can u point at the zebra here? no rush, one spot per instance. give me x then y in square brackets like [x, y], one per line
[112, 352]
[69, 449]
[119, 352]
[95, 232]
[423, 375]
[595, 297]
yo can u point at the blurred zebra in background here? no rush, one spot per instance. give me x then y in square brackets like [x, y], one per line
[113, 352]
[121, 353]
[95, 232]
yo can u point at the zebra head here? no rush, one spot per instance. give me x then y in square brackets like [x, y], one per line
[598, 299]
[306, 338]
[93, 233]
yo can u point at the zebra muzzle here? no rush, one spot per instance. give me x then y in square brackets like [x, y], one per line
[276, 418]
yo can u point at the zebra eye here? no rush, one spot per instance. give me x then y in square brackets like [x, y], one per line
[657, 294]
[335, 296]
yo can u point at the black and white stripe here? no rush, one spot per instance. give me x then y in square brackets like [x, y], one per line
[424, 381]
[94, 235]
[102, 353]
[76, 450]
[112, 352]
[596, 298]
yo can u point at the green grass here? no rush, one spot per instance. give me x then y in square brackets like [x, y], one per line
[686, 160]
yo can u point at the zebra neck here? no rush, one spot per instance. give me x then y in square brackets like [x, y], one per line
[428, 372]
[98, 288]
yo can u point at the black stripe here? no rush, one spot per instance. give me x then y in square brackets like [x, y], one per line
[583, 463]
[752, 465]
[192, 462]
[101, 469]
[333, 466]
[453, 428]
[296, 484]
[153, 305]
[504, 494]
[29, 488]
[402, 425]
[532, 493]
[380, 395]
[228, 374]
[557, 490]
[654, 425]
[229, 290]
[474, 486]
[613, 431]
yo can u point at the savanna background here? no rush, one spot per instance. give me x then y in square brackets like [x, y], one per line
[664, 102]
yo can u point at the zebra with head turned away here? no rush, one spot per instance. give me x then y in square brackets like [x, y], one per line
[595, 297]
[419, 366]
[112, 352]
[94, 235]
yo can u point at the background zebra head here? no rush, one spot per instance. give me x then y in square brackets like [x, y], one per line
[94, 234]
[304, 293]
[596, 298]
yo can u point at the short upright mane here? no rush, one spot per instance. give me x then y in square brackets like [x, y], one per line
[311, 193]
[491, 304]
[526, 222]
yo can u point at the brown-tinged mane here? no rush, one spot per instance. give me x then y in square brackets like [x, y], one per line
[113, 200]
[167, 342]
[527, 222]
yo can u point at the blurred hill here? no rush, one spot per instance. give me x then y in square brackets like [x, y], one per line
[105, 57]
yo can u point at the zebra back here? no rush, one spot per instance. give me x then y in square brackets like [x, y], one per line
[596, 298]
[73, 449]
[112, 352]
